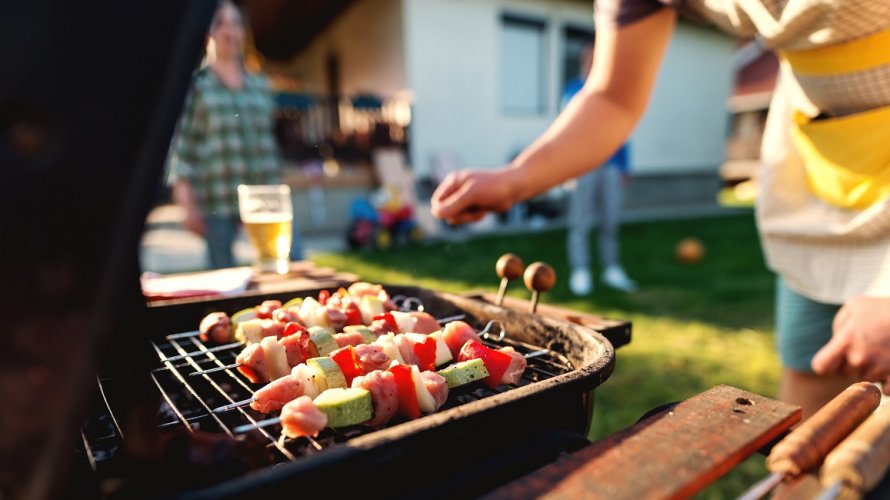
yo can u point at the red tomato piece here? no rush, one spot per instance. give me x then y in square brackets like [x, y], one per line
[297, 344]
[496, 362]
[349, 363]
[252, 376]
[323, 297]
[292, 328]
[353, 314]
[405, 391]
[426, 354]
[265, 310]
[390, 320]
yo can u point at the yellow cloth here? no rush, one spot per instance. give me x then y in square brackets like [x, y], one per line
[855, 55]
[847, 158]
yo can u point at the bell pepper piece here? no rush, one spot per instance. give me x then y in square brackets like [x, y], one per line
[405, 391]
[390, 320]
[426, 354]
[349, 363]
[496, 362]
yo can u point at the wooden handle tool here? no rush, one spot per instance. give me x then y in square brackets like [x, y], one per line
[861, 460]
[807, 445]
[539, 277]
[509, 267]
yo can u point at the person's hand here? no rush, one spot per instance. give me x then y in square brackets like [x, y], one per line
[194, 222]
[467, 195]
[860, 344]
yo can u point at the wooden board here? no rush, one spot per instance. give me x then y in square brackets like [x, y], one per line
[670, 455]
[303, 275]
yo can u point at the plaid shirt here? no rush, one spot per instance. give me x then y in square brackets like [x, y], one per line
[224, 139]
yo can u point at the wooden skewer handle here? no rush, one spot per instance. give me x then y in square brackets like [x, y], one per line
[509, 266]
[539, 277]
[806, 446]
[861, 460]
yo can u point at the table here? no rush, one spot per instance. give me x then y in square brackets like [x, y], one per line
[672, 454]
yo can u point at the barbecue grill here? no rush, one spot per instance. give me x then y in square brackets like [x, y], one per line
[481, 437]
[88, 103]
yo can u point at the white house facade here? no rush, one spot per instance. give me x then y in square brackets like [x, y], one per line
[484, 78]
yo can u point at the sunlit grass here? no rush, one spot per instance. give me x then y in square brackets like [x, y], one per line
[695, 326]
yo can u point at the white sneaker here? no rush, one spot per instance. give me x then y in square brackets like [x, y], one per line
[581, 282]
[615, 277]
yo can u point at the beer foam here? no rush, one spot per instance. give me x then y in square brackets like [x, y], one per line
[266, 218]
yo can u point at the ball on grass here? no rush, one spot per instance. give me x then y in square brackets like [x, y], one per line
[689, 250]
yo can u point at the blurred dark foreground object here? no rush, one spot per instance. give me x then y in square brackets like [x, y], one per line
[89, 96]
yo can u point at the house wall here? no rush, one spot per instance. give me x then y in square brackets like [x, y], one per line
[454, 77]
[368, 40]
[686, 125]
[444, 55]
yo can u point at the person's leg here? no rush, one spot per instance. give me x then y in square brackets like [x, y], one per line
[580, 219]
[607, 201]
[296, 245]
[803, 326]
[810, 391]
[221, 233]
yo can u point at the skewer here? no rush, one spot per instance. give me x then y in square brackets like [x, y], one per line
[245, 402]
[241, 429]
[405, 303]
[483, 333]
[405, 306]
[449, 319]
[509, 267]
[539, 277]
[277, 420]
[214, 370]
[857, 465]
[807, 445]
[232, 345]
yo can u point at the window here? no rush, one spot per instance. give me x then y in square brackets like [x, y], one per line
[523, 65]
[575, 39]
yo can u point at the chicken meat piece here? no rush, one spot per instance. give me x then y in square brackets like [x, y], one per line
[436, 385]
[456, 334]
[382, 386]
[301, 417]
[516, 368]
[372, 357]
[216, 327]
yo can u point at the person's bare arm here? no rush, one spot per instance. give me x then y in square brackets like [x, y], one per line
[592, 127]
[184, 197]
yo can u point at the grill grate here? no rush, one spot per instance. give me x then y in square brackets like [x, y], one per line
[188, 401]
[494, 428]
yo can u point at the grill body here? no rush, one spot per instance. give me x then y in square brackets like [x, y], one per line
[481, 438]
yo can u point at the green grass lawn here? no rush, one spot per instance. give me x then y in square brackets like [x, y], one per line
[694, 325]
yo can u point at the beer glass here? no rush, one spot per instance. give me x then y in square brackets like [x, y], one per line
[267, 214]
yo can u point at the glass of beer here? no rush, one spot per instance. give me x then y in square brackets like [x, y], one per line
[267, 214]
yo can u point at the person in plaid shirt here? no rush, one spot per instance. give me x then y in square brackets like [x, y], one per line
[224, 139]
